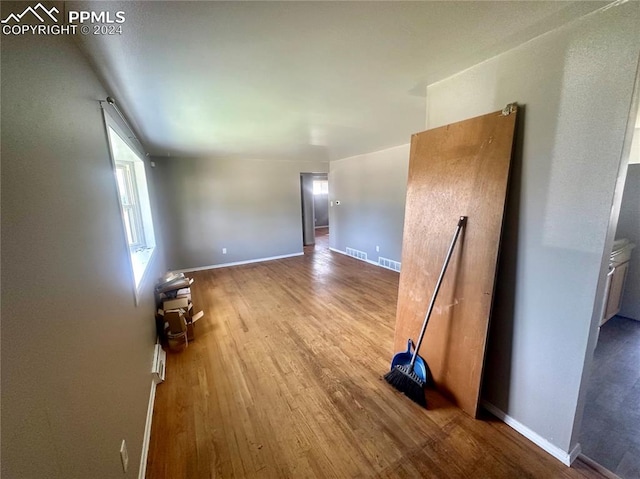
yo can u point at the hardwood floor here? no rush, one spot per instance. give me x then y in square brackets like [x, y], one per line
[284, 380]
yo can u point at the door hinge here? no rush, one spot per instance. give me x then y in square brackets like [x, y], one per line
[510, 108]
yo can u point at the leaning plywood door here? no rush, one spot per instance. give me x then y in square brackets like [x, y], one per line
[457, 170]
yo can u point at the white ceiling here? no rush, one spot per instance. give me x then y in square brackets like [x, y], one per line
[298, 80]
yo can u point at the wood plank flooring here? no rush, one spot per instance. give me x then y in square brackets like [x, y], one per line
[284, 380]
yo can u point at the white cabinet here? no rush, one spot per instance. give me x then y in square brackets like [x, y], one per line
[618, 267]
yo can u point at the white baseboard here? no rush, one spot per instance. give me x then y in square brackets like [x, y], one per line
[237, 263]
[358, 259]
[142, 471]
[573, 455]
[597, 467]
[566, 458]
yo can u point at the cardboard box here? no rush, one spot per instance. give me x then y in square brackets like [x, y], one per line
[171, 287]
[169, 280]
[177, 342]
[176, 316]
[170, 276]
[173, 304]
[184, 293]
[191, 324]
[181, 293]
[190, 332]
[176, 321]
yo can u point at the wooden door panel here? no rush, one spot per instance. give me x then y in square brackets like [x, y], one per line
[456, 170]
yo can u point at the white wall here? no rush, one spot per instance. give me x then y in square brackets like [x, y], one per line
[575, 85]
[76, 351]
[250, 207]
[634, 156]
[371, 189]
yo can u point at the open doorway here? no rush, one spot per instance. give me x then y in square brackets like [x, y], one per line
[611, 420]
[314, 189]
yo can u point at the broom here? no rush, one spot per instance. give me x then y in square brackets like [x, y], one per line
[403, 377]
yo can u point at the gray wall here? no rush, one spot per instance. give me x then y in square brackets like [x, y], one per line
[371, 189]
[321, 205]
[576, 87]
[250, 207]
[76, 351]
[321, 209]
[629, 227]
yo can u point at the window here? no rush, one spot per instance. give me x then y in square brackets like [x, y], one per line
[320, 187]
[130, 208]
[134, 202]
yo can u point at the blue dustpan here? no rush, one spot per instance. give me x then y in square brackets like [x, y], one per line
[404, 359]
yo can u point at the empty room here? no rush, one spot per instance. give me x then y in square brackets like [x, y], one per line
[320, 239]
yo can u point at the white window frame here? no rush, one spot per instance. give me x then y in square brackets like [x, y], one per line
[142, 249]
[132, 216]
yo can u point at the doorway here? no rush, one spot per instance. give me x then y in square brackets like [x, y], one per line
[611, 419]
[314, 189]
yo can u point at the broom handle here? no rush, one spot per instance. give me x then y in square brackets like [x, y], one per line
[461, 223]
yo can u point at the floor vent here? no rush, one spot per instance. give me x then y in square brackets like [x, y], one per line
[357, 254]
[389, 264]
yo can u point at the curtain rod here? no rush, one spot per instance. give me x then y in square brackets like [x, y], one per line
[112, 102]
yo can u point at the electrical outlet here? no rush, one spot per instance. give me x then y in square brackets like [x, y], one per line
[224, 250]
[124, 455]
[377, 249]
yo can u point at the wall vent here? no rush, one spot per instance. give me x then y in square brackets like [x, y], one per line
[159, 361]
[389, 264]
[357, 254]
